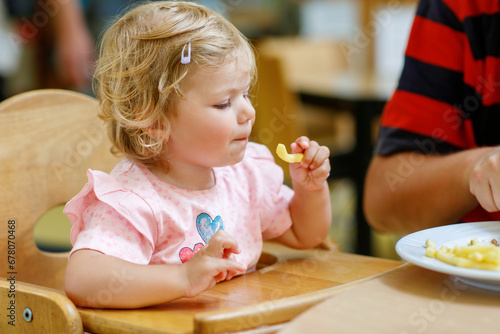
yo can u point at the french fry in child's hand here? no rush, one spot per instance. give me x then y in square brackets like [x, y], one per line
[290, 158]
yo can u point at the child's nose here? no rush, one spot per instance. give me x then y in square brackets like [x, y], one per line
[247, 113]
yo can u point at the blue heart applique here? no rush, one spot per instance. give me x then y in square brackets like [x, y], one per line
[207, 226]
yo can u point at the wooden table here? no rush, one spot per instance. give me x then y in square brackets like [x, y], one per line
[289, 283]
[408, 299]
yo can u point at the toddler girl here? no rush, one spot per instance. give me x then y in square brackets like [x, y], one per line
[192, 200]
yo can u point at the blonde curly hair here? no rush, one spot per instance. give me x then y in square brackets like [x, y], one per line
[139, 72]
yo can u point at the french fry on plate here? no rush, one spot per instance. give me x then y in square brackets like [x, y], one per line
[474, 255]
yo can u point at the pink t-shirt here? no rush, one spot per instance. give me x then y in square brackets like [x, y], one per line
[134, 215]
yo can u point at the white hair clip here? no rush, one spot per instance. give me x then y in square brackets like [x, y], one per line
[186, 59]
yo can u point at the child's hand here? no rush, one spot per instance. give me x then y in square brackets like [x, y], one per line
[213, 263]
[314, 169]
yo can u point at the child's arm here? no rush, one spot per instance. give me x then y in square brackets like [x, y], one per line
[97, 280]
[310, 207]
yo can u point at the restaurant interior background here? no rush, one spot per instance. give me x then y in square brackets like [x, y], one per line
[326, 69]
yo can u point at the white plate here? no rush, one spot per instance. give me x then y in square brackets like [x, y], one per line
[412, 248]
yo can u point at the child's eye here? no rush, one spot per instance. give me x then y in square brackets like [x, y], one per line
[223, 105]
[248, 96]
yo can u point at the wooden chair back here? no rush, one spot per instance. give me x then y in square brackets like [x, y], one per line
[28, 308]
[49, 139]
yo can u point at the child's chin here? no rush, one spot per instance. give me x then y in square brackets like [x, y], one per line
[238, 158]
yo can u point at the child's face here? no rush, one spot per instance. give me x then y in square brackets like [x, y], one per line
[214, 119]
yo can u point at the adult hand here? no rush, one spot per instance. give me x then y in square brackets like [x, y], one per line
[484, 182]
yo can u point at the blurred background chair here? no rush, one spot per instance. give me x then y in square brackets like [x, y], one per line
[282, 116]
[49, 139]
[278, 118]
[289, 66]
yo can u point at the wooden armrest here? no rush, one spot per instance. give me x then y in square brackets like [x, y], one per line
[36, 309]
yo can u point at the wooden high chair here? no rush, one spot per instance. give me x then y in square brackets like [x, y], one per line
[49, 139]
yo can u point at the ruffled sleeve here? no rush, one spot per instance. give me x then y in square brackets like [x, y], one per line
[111, 219]
[274, 196]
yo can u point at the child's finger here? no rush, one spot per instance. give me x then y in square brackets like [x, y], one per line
[310, 154]
[323, 172]
[227, 269]
[301, 144]
[221, 245]
[320, 157]
[221, 276]
[231, 274]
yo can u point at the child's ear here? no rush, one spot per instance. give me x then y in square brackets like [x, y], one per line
[158, 133]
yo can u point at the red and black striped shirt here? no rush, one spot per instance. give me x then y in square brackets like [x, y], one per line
[448, 96]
